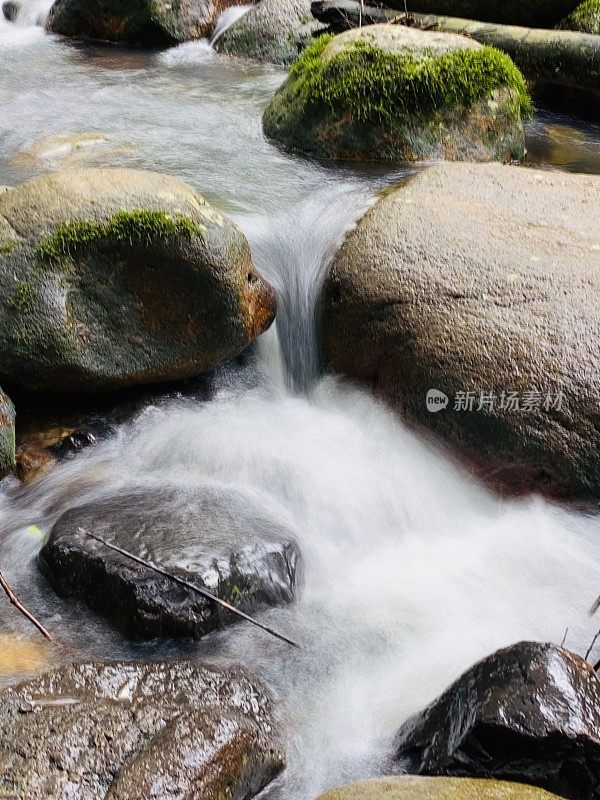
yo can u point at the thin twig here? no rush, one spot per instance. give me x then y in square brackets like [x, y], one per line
[564, 639]
[27, 614]
[595, 607]
[188, 585]
[593, 644]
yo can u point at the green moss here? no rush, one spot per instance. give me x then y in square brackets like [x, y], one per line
[585, 18]
[23, 297]
[140, 226]
[6, 248]
[373, 85]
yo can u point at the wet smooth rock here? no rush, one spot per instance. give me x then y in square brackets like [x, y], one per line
[116, 278]
[417, 788]
[528, 713]
[211, 535]
[140, 22]
[273, 31]
[129, 730]
[481, 279]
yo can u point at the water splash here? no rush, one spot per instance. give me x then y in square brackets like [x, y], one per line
[228, 18]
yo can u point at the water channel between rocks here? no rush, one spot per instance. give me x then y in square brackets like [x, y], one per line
[411, 571]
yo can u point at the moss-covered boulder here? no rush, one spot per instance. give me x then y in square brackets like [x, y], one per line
[416, 788]
[7, 434]
[113, 278]
[272, 31]
[392, 93]
[585, 18]
[141, 22]
[534, 13]
[124, 730]
[481, 281]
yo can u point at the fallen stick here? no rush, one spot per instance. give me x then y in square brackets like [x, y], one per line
[188, 585]
[27, 614]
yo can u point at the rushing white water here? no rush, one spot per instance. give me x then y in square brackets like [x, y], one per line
[411, 570]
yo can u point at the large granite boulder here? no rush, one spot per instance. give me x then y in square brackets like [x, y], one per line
[417, 788]
[528, 713]
[140, 22]
[272, 31]
[216, 537]
[481, 284]
[112, 278]
[392, 93]
[128, 730]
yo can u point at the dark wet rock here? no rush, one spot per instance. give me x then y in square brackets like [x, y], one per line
[481, 279]
[528, 713]
[272, 31]
[410, 787]
[10, 11]
[140, 22]
[7, 434]
[209, 534]
[393, 93]
[123, 731]
[114, 278]
[534, 13]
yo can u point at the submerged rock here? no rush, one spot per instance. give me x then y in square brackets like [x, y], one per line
[211, 535]
[528, 713]
[272, 31]
[7, 434]
[140, 22]
[481, 282]
[127, 730]
[585, 18]
[413, 788]
[392, 93]
[115, 278]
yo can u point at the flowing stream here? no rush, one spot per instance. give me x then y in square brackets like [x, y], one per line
[411, 570]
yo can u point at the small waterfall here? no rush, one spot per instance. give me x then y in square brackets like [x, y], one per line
[228, 18]
[32, 12]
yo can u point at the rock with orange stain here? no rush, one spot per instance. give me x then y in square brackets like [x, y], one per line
[19, 655]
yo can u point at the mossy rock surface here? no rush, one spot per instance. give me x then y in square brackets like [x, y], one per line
[391, 93]
[142, 22]
[533, 13]
[273, 31]
[7, 434]
[115, 278]
[585, 18]
[417, 788]
[481, 278]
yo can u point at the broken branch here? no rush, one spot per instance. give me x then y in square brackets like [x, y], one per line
[188, 585]
[27, 614]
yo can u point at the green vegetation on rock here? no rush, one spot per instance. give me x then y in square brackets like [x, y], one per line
[23, 298]
[374, 85]
[585, 18]
[140, 226]
[7, 247]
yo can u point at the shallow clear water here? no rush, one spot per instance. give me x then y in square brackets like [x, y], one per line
[411, 570]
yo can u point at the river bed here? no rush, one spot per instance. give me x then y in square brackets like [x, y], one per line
[412, 571]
